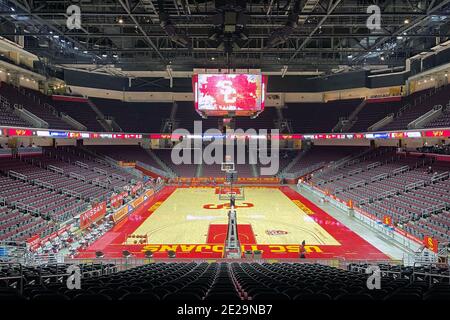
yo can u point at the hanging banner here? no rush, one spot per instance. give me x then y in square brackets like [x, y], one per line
[387, 220]
[431, 244]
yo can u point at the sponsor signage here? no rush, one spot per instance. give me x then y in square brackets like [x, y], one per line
[59, 134]
[117, 200]
[92, 215]
[135, 203]
[413, 134]
[136, 188]
[381, 135]
[75, 135]
[120, 214]
[43, 133]
[442, 133]
[20, 132]
[34, 242]
[437, 133]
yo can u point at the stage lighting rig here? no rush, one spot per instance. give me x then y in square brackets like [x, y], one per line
[229, 24]
[177, 36]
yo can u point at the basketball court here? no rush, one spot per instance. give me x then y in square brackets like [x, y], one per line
[193, 223]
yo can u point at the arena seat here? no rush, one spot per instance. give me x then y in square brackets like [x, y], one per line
[235, 281]
[415, 110]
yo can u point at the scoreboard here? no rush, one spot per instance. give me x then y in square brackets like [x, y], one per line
[225, 94]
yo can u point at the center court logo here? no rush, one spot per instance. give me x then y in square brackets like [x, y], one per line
[252, 147]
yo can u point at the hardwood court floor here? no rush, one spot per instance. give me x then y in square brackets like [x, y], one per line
[193, 223]
[185, 217]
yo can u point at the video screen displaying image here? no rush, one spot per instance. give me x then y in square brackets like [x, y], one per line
[230, 92]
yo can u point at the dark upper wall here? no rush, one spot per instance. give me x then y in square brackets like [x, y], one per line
[430, 62]
[389, 80]
[275, 83]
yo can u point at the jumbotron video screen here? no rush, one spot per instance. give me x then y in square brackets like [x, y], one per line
[218, 93]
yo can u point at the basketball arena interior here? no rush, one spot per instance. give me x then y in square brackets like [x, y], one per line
[245, 151]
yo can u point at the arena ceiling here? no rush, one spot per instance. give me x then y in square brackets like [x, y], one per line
[298, 35]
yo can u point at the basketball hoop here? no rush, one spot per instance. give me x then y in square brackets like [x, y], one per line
[227, 167]
[225, 193]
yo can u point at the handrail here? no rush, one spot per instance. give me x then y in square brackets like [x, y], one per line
[17, 175]
[77, 176]
[55, 169]
[429, 275]
[81, 164]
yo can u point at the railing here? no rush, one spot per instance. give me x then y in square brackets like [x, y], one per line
[97, 182]
[379, 177]
[442, 275]
[357, 184]
[383, 273]
[68, 119]
[30, 117]
[363, 201]
[373, 165]
[71, 193]
[414, 185]
[81, 164]
[440, 176]
[356, 171]
[17, 175]
[27, 208]
[77, 176]
[339, 189]
[381, 123]
[14, 277]
[114, 175]
[334, 178]
[425, 118]
[386, 194]
[400, 170]
[101, 171]
[101, 161]
[43, 184]
[433, 209]
[55, 169]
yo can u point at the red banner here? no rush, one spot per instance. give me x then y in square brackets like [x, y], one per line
[20, 132]
[431, 243]
[387, 220]
[117, 200]
[437, 133]
[136, 188]
[33, 242]
[92, 215]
